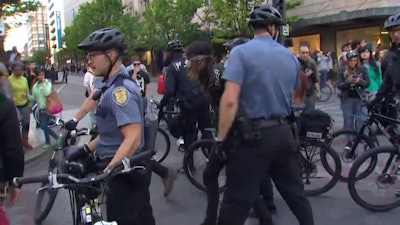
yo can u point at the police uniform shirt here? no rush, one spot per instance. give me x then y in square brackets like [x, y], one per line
[268, 75]
[120, 104]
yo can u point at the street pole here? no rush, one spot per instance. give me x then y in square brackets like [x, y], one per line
[280, 6]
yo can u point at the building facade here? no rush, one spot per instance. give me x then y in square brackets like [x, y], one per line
[133, 6]
[71, 8]
[37, 26]
[56, 25]
[327, 24]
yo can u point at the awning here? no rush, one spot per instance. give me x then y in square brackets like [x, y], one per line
[347, 18]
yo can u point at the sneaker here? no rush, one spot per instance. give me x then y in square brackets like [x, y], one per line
[47, 147]
[168, 181]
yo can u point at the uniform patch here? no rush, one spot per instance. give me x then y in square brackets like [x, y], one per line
[121, 96]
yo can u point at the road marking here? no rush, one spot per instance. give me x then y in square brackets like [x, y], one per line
[59, 89]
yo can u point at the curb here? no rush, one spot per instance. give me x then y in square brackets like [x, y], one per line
[30, 157]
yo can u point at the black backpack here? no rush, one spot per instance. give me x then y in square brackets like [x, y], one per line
[314, 124]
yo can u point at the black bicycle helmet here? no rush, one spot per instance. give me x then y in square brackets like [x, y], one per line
[175, 46]
[392, 21]
[352, 54]
[265, 15]
[103, 40]
[235, 42]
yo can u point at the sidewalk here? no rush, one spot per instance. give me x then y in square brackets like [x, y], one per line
[36, 135]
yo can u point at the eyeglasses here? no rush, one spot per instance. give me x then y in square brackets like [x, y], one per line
[90, 55]
[304, 52]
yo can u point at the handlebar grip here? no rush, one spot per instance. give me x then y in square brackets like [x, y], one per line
[139, 157]
[18, 181]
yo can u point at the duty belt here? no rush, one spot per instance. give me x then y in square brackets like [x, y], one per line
[265, 123]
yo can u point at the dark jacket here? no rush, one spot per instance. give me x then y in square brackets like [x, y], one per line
[391, 76]
[314, 77]
[347, 88]
[11, 150]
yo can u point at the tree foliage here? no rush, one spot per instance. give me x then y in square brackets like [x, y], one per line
[17, 7]
[93, 16]
[164, 20]
[230, 16]
[40, 57]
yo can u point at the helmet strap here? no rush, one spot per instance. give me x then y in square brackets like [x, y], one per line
[112, 64]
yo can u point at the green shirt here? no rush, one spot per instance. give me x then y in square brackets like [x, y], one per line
[19, 87]
[40, 91]
[375, 78]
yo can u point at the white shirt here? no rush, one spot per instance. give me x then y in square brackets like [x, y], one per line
[88, 80]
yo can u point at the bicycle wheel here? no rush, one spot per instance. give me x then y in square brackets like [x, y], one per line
[44, 202]
[163, 145]
[326, 93]
[380, 190]
[360, 144]
[195, 162]
[316, 156]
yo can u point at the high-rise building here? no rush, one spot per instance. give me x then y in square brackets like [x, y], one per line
[36, 26]
[71, 8]
[56, 25]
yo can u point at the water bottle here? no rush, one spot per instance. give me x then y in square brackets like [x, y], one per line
[61, 140]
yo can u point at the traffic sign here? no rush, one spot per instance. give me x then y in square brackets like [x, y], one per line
[285, 30]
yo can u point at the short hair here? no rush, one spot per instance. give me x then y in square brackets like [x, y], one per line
[345, 45]
[135, 58]
[355, 42]
[289, 42]
[198, 48]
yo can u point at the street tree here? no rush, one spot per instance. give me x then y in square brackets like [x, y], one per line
[93, 16]
[40, 56]
[230, 17]
[164, 20]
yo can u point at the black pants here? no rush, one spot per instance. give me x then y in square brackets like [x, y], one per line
[128, 198]
[65, 77]
[210, 180]
[248, 164]
[159, 169]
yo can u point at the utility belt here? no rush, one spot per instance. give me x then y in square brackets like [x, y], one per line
[250, 130]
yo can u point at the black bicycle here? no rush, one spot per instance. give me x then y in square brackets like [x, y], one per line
[84, 191]
[375, 174]
[46, 196]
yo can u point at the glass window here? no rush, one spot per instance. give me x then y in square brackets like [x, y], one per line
[370, 35]
[312, 41]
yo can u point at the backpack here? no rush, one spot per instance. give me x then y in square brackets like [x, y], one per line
[54, 105]
[161, 84]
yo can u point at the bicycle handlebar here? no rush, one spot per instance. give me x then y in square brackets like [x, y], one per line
[126, 165]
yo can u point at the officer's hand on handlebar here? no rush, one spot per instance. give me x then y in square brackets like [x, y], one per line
[73, 153]
[70, 125]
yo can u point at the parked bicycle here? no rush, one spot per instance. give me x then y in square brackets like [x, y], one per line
[84, 191]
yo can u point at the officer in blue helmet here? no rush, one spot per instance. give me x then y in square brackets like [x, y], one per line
[120, 120]
[254, 132]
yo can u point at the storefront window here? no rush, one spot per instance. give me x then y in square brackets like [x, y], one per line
[370, 35]
[312, 41]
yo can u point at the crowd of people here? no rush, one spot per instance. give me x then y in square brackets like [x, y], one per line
[254, 98]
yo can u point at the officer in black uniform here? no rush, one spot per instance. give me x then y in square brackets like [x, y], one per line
[390, 88]
[254, 133]
[192, 97]
[120, 120]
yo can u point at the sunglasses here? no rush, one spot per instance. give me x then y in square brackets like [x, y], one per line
[304, 52]
[136, 64]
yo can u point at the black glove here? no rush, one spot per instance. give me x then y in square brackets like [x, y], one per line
[73, 153]
[221, 150]
[70, 125]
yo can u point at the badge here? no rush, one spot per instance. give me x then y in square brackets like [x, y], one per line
[120, 96]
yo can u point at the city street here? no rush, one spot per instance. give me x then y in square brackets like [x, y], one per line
[186, 204]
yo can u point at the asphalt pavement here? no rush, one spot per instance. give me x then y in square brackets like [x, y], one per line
[186, 204]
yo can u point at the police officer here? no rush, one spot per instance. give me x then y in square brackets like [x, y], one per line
[261, 76]
[120, 122]
[390, 88]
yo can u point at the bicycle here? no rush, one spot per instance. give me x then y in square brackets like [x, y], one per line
[54, 120]
[326, 92]
[308, 150]
[364, 138]
[65, 138]
[84, 191]
[387, 169]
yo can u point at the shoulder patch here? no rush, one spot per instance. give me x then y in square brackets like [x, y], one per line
[120, 96]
